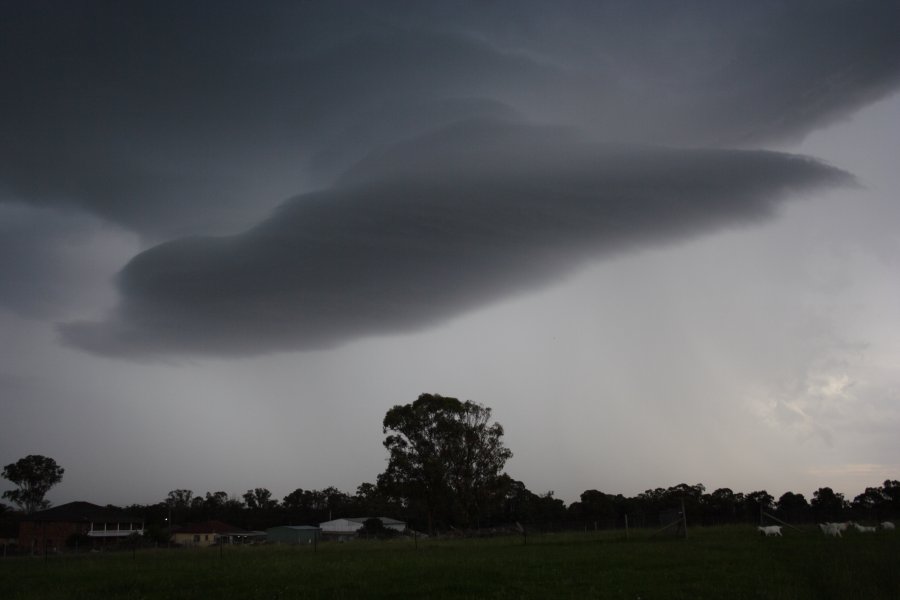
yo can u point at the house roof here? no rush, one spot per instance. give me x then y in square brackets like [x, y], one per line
[208, 527]
[361, 520]
[298, 527]
[384, 520]
[81, 511]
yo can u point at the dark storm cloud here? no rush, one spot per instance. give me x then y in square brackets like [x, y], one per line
[174, 118]
[167, 124]
[428, 229]
[703, 71]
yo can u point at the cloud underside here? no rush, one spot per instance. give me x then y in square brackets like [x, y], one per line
[176, 121]
[430, 229]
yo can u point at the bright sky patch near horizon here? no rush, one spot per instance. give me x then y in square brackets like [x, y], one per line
[659, 242]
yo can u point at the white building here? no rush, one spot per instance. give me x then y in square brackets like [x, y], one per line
[345, 529]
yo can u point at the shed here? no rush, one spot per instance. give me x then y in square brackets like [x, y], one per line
[345, 529]
[292, 534]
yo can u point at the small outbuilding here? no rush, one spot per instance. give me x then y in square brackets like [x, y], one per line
[211, 533]
[293, 534]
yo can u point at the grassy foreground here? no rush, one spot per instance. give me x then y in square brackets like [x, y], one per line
[724, 562]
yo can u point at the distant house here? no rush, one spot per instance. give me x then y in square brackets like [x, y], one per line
[209, 533]
[51, 529]
[345, 529]
[292, 534]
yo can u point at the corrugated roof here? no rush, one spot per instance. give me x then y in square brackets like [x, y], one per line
[384, 520]
[361, 520]
[81, 511]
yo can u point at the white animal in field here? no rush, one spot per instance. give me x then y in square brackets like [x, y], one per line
[863, 528]
[887, 526]
[842, 526]
[831, 529]
[770, 530]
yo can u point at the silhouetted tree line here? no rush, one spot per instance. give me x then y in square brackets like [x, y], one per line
[512, 502]
[724, 506]
[445, 473]
[515, 503]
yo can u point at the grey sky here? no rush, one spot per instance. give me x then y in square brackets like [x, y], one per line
[659, 241]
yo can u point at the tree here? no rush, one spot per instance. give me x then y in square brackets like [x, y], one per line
[296, 500]
[721, 505]
[549, 510]
[827, 505]
[445, 456]
[870, 504]
[260, 499]
[336, 501]
[891, 491]
[594, 505]
[214, 502]
[373, 527]
[755, 503]
[178, 503]
[179, 499]
[369, 500]
[34, 475]
[793, 507]
[261, 507]
[690, 495]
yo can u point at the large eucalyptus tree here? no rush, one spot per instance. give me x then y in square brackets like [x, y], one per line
[444, 456]
[34, 475]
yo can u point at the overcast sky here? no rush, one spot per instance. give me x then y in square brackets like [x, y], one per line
[660, 240]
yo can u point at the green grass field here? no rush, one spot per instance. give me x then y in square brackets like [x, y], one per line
[724, 562]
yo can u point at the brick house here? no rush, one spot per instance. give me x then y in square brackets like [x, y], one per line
[49, 530]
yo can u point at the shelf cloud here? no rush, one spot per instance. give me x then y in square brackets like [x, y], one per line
[437, 156]
[428, 229]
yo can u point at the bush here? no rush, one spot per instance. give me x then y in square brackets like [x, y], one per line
[375, 528]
